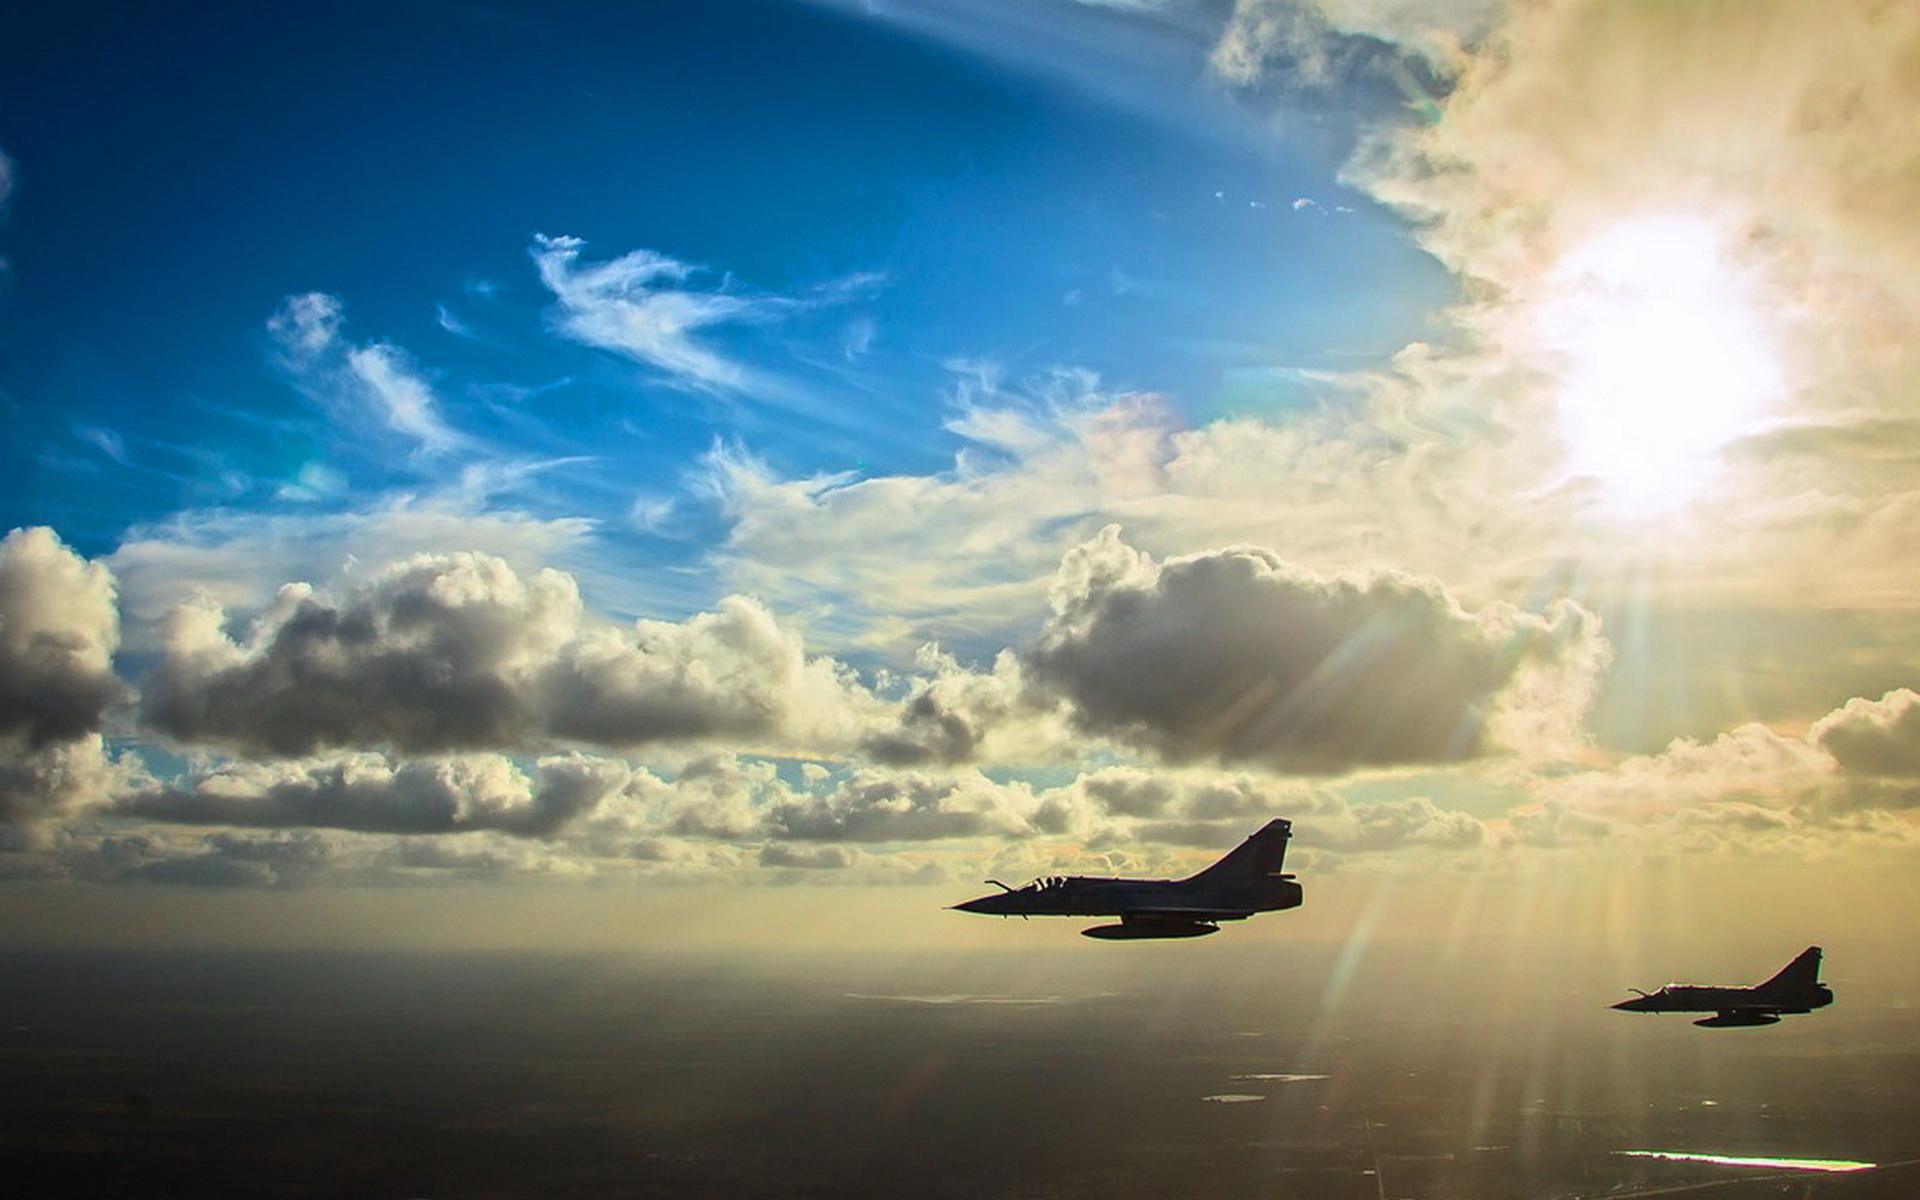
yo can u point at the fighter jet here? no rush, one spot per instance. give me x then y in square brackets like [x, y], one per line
[1796, 989]
[1246, 881]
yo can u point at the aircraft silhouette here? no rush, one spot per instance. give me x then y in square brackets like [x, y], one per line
[1246, 881]
[1796, 989]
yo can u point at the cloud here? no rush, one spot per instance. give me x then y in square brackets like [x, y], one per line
[641, 305]
[460, 652]
[374, 382]
[1237, 656]
[1317, 42]
[963, 556]
[240, 560]
[372, 794]
[1875, 738]
[734, 672]
[1851, 783]
[1751, 764]
[873, 806]
[1381, 825]
[59, 628]
[61, 779]
[1785, 132]
[954, 715]
[300, 858]
[808, 858]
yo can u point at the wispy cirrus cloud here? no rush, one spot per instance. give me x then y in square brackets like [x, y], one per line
[651, 308]
[373, 383]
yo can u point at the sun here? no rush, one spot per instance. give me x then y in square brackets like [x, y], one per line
[1660, 357]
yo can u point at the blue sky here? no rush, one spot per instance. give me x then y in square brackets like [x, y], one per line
[875, 442]
[883, 208]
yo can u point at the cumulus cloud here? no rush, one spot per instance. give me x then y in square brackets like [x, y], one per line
[63, 778]
[299, 858]
[962, 557]
[954, 715]
[240, 560]
[1751, 764]
[372, 794]
[1237, 656]
[1851, 782]
[873, 806]
[460, 652]
[808, 858]
[949, 557]
[1875, 738]
[59, 627]
[1377, 825]
[375, 381]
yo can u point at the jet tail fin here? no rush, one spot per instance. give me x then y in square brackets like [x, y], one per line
[1802, 973]
[1261, 856]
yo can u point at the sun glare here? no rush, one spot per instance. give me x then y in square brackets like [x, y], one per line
[1661, 359]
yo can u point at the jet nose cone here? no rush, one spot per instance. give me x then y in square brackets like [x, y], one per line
[1637, 1004]
[985, 904]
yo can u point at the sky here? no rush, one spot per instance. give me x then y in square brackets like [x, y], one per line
[802, 457]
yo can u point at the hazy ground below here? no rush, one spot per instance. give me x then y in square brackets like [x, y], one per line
[1208, 1069]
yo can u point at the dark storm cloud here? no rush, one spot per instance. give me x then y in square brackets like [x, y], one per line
[371, 795]
[1237, 656]
[458, 652]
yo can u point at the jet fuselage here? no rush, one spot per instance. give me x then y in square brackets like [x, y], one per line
[1796, 989]
[1247, 881]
